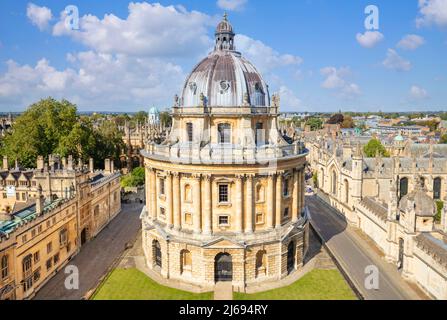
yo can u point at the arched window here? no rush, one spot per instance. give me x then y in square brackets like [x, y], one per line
[260, 194]
[5, 267]
[285, 187]
[346, 191]
[321, 180]
[403, 187]
[334, 183]
[261, 263]
[437, 188]
[185, 261]
[27, 265]
[190, 131]
[156, 251]
[188, 193]
[224, 132]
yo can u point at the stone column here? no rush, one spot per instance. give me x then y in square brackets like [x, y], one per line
[149, 186]
[249, 205]
[207, 210]
[154, 188]
[169, 210]
[176, 202]
[197, 205]
[302, 188]
[239, 204]
[270, 198]
[296, 195]
[278, 200]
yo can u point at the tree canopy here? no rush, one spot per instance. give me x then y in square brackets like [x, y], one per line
[51, 126]
[348, 123]
[314, 123]
[336, 119]
[374, 147]
[134, 179]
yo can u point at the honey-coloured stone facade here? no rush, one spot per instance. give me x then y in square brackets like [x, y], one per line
[225, 189]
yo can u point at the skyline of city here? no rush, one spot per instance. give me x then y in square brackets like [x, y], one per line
[137, 54]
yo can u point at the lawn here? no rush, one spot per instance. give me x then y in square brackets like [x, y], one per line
[316, 285]
[132, 284]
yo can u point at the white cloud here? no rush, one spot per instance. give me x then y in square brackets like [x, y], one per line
[262, 56]
[336, 79]
[288, 98]
[131, 62]
[369, 39]
[395, 62]
[233, 5]
[94, 80]
[149, 30]
[411, 42]
[432, 12]
[418, 93]
[39, 16]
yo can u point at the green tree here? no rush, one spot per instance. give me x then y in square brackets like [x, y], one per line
[39, 130]
[314, 123]
[443, 139]
[140, 116]
[134, 179]
[51, 126]
[439, 207]
[374, 147]
[348, 123]
[165, 119]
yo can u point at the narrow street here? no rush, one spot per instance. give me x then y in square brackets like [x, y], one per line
[96, 257]
[355, 256]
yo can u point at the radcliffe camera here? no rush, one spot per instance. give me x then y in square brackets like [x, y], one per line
[212, 159]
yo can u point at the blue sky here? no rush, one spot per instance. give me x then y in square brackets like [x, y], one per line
[316, 53]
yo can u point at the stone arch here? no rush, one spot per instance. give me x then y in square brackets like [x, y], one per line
[321, 180]
[291, 257]
[334, 182]
[261, 263]
[4, 267]
[157, 254]
[223, 267]
[403, 187]
[437, 188]
[260, 193]
[185, 261]
[346, 184]
[188, 193]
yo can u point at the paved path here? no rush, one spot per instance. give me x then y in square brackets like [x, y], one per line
[354, 255]
[223, 291]
[96, 257]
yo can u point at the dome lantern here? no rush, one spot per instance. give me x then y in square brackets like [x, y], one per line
[224, 35]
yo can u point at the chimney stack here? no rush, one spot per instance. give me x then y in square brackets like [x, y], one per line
[39, 201]
[107, 165]
[5, 163]
[40, 163]
[91, 166]
[70, 163]
[112, 166]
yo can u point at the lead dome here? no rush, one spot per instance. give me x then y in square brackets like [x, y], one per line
[225, 78]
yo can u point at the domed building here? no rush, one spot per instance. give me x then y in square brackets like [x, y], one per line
[225, 191]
